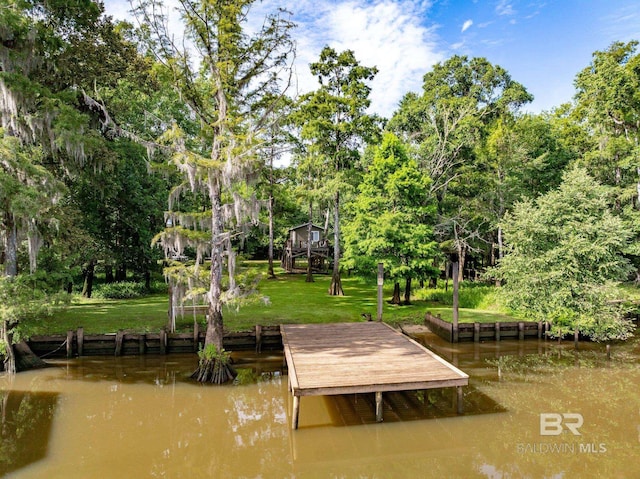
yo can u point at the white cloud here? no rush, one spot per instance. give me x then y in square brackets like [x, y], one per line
[388, 34]
[504, 7]
[466, 25]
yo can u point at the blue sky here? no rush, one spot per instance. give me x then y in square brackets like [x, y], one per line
[543, 44]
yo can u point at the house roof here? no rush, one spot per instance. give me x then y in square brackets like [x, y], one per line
[306, 225]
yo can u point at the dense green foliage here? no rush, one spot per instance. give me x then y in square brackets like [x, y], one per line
[564, 257]
[391, 218]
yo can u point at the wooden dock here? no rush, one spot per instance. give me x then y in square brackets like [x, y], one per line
[369, 357]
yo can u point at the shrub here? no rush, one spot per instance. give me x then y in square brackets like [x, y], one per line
[121, 290]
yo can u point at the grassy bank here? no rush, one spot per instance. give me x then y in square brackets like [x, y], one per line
[287, 299]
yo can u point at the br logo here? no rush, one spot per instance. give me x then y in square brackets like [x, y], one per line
[553, 424]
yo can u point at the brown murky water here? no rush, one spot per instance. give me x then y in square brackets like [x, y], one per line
[140, 417]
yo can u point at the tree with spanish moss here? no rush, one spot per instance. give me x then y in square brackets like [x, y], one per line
[222, 75]
[43, 134]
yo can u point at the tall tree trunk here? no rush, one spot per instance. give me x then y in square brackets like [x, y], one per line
[447, 265]
[309, 278]
[121, 272]
[108, 274]
[456, 294]
[88, 272]
[396, 293]
[270, 273]
[11, 245]
[638, 188]
[461, 258]
[500, 251]
[407, 291]
[211, 367]
[336, 283]
[10, 358]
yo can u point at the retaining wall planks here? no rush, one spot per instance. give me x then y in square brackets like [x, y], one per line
[77, 343]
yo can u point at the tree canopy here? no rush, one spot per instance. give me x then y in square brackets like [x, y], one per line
[563, 255]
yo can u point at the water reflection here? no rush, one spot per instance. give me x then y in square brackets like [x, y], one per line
[142, 417]
[25, 422]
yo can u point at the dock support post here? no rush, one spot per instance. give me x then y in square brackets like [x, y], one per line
[378, 406]
[296, 412]
[497, 331]
[476, 332]
[460, 400]
[380, 285]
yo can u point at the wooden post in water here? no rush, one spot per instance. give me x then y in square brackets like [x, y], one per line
[142, 343]
[497, 331]
[119, 339]
[378, 406]
[258, 338]
[69, 344]
[521, 330]
[476, 332]
[80, 340]
[163, 341]
[196, 336]
[460, 399]
[540, 329]
[296, 412]
[380, 285]
[576, 337]
[546, 330]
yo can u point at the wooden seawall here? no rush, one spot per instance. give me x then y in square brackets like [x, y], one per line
[477, 332]
[77, 343]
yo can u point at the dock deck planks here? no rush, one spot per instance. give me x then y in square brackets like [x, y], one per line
[346, 358]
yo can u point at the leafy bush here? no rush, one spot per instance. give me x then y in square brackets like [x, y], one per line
[158, 287]
[26, 300]
[120, 290]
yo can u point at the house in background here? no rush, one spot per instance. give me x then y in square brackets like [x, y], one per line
[296, 248]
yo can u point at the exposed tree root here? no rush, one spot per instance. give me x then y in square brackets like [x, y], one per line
[214, 371]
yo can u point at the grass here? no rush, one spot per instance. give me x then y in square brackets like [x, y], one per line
[290, 300]
[96, 316]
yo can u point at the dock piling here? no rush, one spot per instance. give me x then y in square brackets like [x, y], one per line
[378, 406]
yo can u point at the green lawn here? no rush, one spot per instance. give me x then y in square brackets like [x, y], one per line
[96, 316]
[290, 300]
